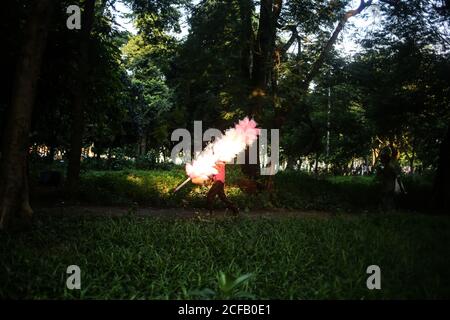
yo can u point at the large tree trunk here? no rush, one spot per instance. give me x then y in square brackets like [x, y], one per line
[263, 53]
[262, 68]
[80, 98]
[246, 8]
[143, 144]
[441, 194]
[14, 197]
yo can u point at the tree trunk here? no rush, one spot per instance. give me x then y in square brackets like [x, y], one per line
[77, 125]
[143, 144]
[14, 193]
[246, 38]
[411, 163]
[263, 53]
[316, 164]
[413, 157]
[51, 152]
[441, 191]
[262, 68]
[291, 163]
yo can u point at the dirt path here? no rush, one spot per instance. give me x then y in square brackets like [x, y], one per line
[173, 212]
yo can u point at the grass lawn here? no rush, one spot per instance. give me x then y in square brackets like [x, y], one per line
[292, 190]
[133, 257]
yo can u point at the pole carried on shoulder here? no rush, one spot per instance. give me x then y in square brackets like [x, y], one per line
[181, 185]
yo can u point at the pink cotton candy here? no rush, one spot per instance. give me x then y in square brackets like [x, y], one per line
[248, 129]
[224, 149]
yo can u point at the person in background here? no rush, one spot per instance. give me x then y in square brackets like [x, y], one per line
[218, 189]
[388, 173]
[399, 188]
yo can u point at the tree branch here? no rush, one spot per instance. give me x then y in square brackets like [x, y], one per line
[330, 43]
[288, 44]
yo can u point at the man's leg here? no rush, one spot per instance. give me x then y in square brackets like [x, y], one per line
[213, 191]
[230, 205]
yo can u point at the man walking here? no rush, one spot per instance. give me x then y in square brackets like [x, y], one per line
[218, 189]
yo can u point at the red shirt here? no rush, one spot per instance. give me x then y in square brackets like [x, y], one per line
[220, 176]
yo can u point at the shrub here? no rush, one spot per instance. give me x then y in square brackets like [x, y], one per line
[291, 190]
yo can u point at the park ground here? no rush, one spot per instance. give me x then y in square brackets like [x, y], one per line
[350, 86]
[133, 239]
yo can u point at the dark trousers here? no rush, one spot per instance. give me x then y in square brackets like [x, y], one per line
[217, 189]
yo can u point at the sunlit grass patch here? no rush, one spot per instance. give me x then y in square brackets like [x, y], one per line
[291, 190]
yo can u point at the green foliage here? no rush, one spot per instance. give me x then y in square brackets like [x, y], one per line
[228, 288]
[143, 86]
[151, 188]
[208, 71]
[122, 159]
[401, 90]
[292, 190]
[133, 257]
